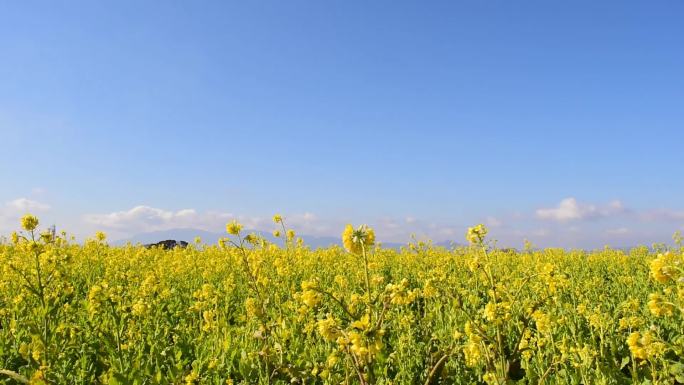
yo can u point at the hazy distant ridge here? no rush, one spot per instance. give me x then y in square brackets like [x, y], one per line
[208, 237]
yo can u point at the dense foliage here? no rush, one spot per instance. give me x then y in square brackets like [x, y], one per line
[248, 311]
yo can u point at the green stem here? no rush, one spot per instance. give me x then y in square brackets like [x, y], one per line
[368, 290]
[15, 376]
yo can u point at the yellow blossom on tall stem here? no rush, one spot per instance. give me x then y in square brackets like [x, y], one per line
[29, 222]
[100, 236]
[356, 240]
[476, 234]
[233, 228]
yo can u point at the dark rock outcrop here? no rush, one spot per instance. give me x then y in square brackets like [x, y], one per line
[167, 244]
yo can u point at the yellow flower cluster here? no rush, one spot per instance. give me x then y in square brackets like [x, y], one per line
[476, 234]
[252, 308]
[400, 294]
[659, 306]
[632, 322]
[665, 267]
[329, 329]
[497, 312]
[473, 349]
[363, 347]
[234, 228]
[542, 321]
[356, 241]
[310, 296]
[645, 346]
[29, 222]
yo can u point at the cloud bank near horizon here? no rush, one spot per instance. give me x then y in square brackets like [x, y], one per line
[570, 209]
[571, 223]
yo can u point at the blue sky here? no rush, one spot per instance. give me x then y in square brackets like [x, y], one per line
[413, 117]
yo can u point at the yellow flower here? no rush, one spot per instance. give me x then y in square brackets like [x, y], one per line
[139, 309]
[645, 346]
[341, 281]
[581, 309]
[253, 308]
[309, 285]
[631, 322]
[362, 324]
[328, 329]
[24, 350]
[277, 218]
[634, 346]
[191, 378]
[252, 239]
[213, 363]
[290, 234]
[29, 222]
[209, 317]
[476, 234]
[661, 267]
[490, 311]
[332, 360]
[36, 355]
[429, 289]
[364, 348]
[100, 236]
[233, 228]
[489, 378]
[472, 351]
[658, 306]
[38, 377]
[311, 298]
[276, 233]
[542, 321]
[355, 241]
[46, 236]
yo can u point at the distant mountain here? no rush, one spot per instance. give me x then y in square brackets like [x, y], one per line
[208, 237]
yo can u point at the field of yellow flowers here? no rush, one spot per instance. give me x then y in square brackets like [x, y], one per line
[246, 311]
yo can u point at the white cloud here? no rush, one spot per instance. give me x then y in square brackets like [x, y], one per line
[11, 211]
[569, 209]
[493, 222]
[146, 218]
[26, 205]
[618, 231]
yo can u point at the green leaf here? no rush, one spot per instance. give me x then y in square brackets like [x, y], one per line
[118, 379]
[625, 361]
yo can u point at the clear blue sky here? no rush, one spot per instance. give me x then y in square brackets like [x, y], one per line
[446, 113]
